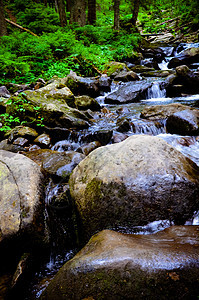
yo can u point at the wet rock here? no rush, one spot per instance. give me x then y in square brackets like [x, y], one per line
[188, 79]
[114, 68]
[185, 122]
[118, 266]
[123, 125]
[105, 83]
[186, 57]
[33, 148]
[4, 92]
[57, 133]
[86, 102]
[130, 92]
[142, 69]
[56, 163]
[119, 137]
[21, 202]
[20, 141]
[126, 76]
[43, 140]
[137, 181]
[103, 136]
[157, 112]
[82, 85]
[157, 54]
[86, 149]
[158, 73]
[5, 145]
[21, 131]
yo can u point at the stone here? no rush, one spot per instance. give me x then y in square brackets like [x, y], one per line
[88, 148]
[158, 112]
[21, 196]
[86, 102]
[140, 180]
[82, 85]
[21, 131]
[112, 265]
[51, 100]
[185, 122]
[142, 69]
[186, 57]
[43, 140]
[126, 76]
[4, 92]
[59, 164]
[114, 68]
[130, 92]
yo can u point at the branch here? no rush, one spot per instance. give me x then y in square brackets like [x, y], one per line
[25, 29]
[168, 21]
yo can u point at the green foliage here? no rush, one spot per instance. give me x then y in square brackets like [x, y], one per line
[16, 114]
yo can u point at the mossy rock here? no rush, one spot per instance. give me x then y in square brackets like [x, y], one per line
[114, 68]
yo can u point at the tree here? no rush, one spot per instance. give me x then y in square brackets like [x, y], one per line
[62, 12]
[3, 27]
[116, 14]
[135, 11]
[91, 12]
[77, 10]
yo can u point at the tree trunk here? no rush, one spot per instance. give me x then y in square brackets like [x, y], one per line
[135, 11]
[91, 12]
[3, 27]
[78, 12]
[116, 14]
[62, 12]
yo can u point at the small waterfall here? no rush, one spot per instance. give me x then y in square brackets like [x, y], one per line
[147, 127]
[155, 91]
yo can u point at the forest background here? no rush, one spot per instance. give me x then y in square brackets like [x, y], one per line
[81, 35]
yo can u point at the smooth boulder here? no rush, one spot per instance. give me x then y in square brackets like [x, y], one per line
[130, 92]
[118, 266]
[134, 182]
[21, 196]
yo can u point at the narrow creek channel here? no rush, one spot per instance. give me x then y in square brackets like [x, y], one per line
[105, 121]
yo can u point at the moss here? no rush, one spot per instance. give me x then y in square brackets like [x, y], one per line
[115, 67]
[93, 190]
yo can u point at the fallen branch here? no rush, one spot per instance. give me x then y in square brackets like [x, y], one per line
[152, 34]
[25, 29]
[170, 20]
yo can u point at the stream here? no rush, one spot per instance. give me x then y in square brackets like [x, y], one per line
[104, 121]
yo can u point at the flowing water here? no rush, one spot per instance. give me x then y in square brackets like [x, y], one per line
[106, 120]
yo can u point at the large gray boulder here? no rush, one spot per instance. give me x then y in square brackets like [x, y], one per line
[137, 181]
[21, 196]
[117, 266]
[130, 92]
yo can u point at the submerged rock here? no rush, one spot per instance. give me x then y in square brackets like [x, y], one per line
[117, 266]
[137, 181]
